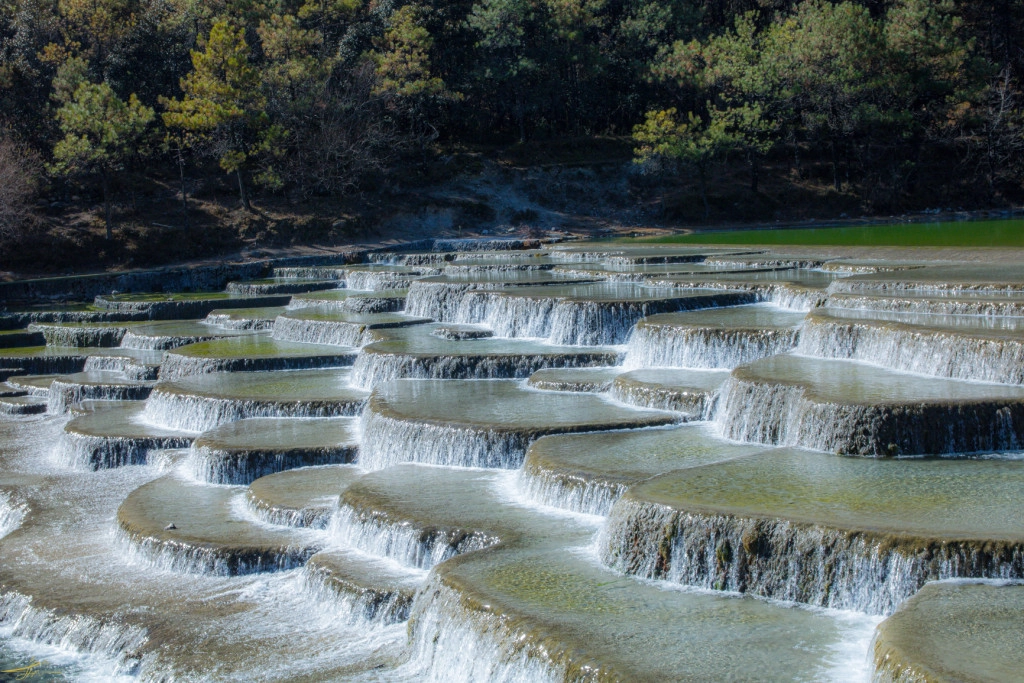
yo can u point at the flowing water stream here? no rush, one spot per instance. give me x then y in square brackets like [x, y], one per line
[506, 461]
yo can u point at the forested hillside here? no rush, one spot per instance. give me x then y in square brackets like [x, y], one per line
[128, 111]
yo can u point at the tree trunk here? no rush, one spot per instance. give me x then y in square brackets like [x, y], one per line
[106, 204]
[184, 195]
[835, 169]
[242, 191]
[702, 174]
[755, 167]
[521, 116]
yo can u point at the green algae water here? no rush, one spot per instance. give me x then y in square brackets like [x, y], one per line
[484, 462]
[1000, 233]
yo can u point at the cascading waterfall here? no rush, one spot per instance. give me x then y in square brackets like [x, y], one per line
[198, 413]
[76, 336]
[374, 368]
[66, 393]
[286, 286]
[177, 366]
[12, 512]
[419, 548]
[482, 616]
[782, 414]
[162, 343]
[988, 308]
[796, 297]
[573, 322]
[452, 641]
[783, 560]
[118, 643]
[952, 354]
[368, 280]
[329, 332]
[353, 605]
[88, 452]
[703, 347]
[228, 321]
[241, 467]
[925, 288]
[130, 367]
[697, 404]
[310, 272]
[508, 316]
[389, 441]
[569, 492]
[185, 558]
[437, 300]
[308, 517]
[476, 268]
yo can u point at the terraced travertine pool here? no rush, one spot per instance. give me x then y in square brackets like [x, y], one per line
[583, 462]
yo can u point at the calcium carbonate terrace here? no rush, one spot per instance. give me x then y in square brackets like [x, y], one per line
[484, 462]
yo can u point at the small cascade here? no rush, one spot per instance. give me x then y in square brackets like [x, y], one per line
[373, 281]
[704, 347]
[692, 392]
[497, 266]
[199, 413]
[374, 367]
[389, 441]
[299, 518]
[952, 630]
[312, 331]
[239, 467]
[81, 451]
[211, 531]
[788, 414]
[152, 307]
[121, 644]
[111, 434]
[130, 367]
[437, 300]
[182, 365]
[926, 286]
[100, 386]
[456, 332]
[354, 603]
[22, 405]
[12, 512]
[274, 286]
[384, 303]
[455, 639]
[784, 560]
[158, 342]
[390, 258]
[576, 321]
[995, 307]
[37, 386]
[421, 548]
[188, 558]
[589, 496]
[507, 316]
[927, 351]
[310, 272]
[214, 462]
[796, 297]
[229, 320]
[90, 335]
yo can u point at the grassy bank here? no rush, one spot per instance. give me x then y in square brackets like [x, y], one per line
[997, 233]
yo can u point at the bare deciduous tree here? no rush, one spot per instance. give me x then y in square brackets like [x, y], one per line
[19, 178]
[348, 133]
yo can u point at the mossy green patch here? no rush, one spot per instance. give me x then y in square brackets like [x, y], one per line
[1001, 233]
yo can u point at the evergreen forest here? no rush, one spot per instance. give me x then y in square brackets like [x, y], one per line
[106, 105]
